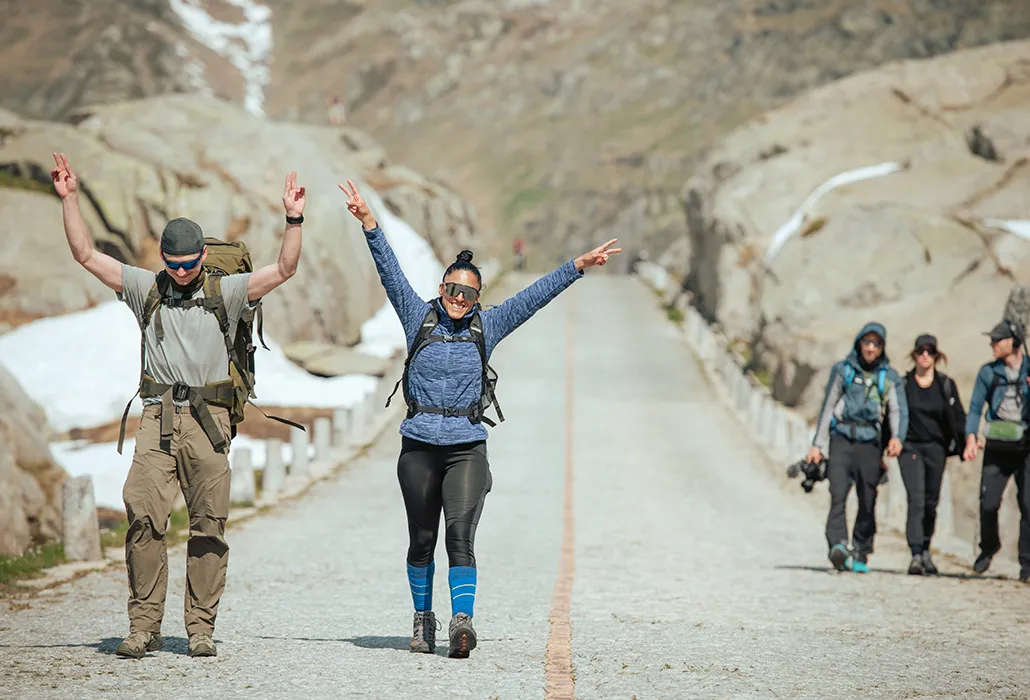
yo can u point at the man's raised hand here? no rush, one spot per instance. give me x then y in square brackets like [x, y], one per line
[65, 182]
[293, 196]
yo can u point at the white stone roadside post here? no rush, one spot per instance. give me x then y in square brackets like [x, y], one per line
[242, 488]
[275, 473]
[323, 437]
[299, 445]
[341, 426]
[80, 528]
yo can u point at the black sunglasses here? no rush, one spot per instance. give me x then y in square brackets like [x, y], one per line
[452, 289]
[932, 352]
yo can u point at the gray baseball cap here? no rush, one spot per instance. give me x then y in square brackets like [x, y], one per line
[182, 237]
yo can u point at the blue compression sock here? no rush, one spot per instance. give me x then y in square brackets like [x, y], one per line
[463, 589]
[420, 578]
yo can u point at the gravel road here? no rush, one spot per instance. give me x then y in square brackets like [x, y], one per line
[699, 572]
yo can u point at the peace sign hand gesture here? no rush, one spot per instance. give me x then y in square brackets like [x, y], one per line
[65, 182]
[293, 196]
[597, 256]
[357, 206]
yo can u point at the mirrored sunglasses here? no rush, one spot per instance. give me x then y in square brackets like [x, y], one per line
[451, 289]
[187, 265]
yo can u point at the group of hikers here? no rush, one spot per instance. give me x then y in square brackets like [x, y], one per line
[196, 317]
[920, 420]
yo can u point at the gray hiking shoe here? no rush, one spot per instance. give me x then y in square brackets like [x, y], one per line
[423, 632]
[463, 637]
[928, 566]
[139, 643]
[202, 645]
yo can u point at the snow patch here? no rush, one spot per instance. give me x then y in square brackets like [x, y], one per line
[109, 469]
[1017, 227]
[247, 45]
[794, 223]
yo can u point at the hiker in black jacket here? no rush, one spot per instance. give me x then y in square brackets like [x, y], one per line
[936, 426]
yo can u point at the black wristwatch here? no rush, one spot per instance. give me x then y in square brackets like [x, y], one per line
[295, 219]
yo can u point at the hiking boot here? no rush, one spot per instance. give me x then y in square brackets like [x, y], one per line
[139, 643]
[202, 645]
[839, 556]
[915, 567]
[982, 563]
[928, 566]
[859, 564]
[463, 637]
[1024, 574]
[423, 634]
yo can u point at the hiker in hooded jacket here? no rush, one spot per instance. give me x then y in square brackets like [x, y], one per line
[936, 431]
[1003, 387]
[862, 392]
[447, 385]
[189, 314]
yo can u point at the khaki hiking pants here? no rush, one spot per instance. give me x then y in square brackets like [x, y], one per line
[156, 474]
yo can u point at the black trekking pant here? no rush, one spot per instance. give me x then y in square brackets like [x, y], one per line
[451, 478]
[922, 470]
[858, 463]
[999, 464]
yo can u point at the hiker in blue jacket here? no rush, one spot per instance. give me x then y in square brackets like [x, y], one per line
[447, 386]
[861, 393]
[1002, 386]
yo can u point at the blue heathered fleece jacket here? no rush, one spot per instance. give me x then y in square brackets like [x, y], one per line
[449, 375]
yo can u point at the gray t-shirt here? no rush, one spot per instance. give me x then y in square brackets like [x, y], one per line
[193, 350]
[1011, 408]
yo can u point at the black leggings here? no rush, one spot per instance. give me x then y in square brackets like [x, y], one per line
[454, 478]
[922, 469]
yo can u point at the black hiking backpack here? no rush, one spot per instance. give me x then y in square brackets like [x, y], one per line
[424, 337]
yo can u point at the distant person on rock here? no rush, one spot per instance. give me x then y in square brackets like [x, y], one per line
[189, 317]
[861, 393]
[1003, 386]
[517, 249]
[447, 386]
[936, 431]
[336, 112]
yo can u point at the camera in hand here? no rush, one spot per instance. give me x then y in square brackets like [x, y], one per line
[813, 472]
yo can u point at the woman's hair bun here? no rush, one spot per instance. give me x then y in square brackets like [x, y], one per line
[465, 256]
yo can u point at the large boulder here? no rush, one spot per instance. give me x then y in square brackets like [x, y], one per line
[38, 277]
[143, 162]
[30, 480]
[887, 196]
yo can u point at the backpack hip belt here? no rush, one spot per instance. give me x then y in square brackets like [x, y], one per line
[199, 397]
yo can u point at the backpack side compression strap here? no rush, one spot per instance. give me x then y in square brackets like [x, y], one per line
[215, 303]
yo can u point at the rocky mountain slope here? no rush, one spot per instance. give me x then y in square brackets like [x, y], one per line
[145, 161]
[562, 121]
[931, 238]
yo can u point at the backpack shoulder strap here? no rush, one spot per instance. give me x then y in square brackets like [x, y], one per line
[489, 375]
[151, 305]
[215, 303]
[849, 374]
[429, 323]
[994, 385]
[476, 329]
[881, 384]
